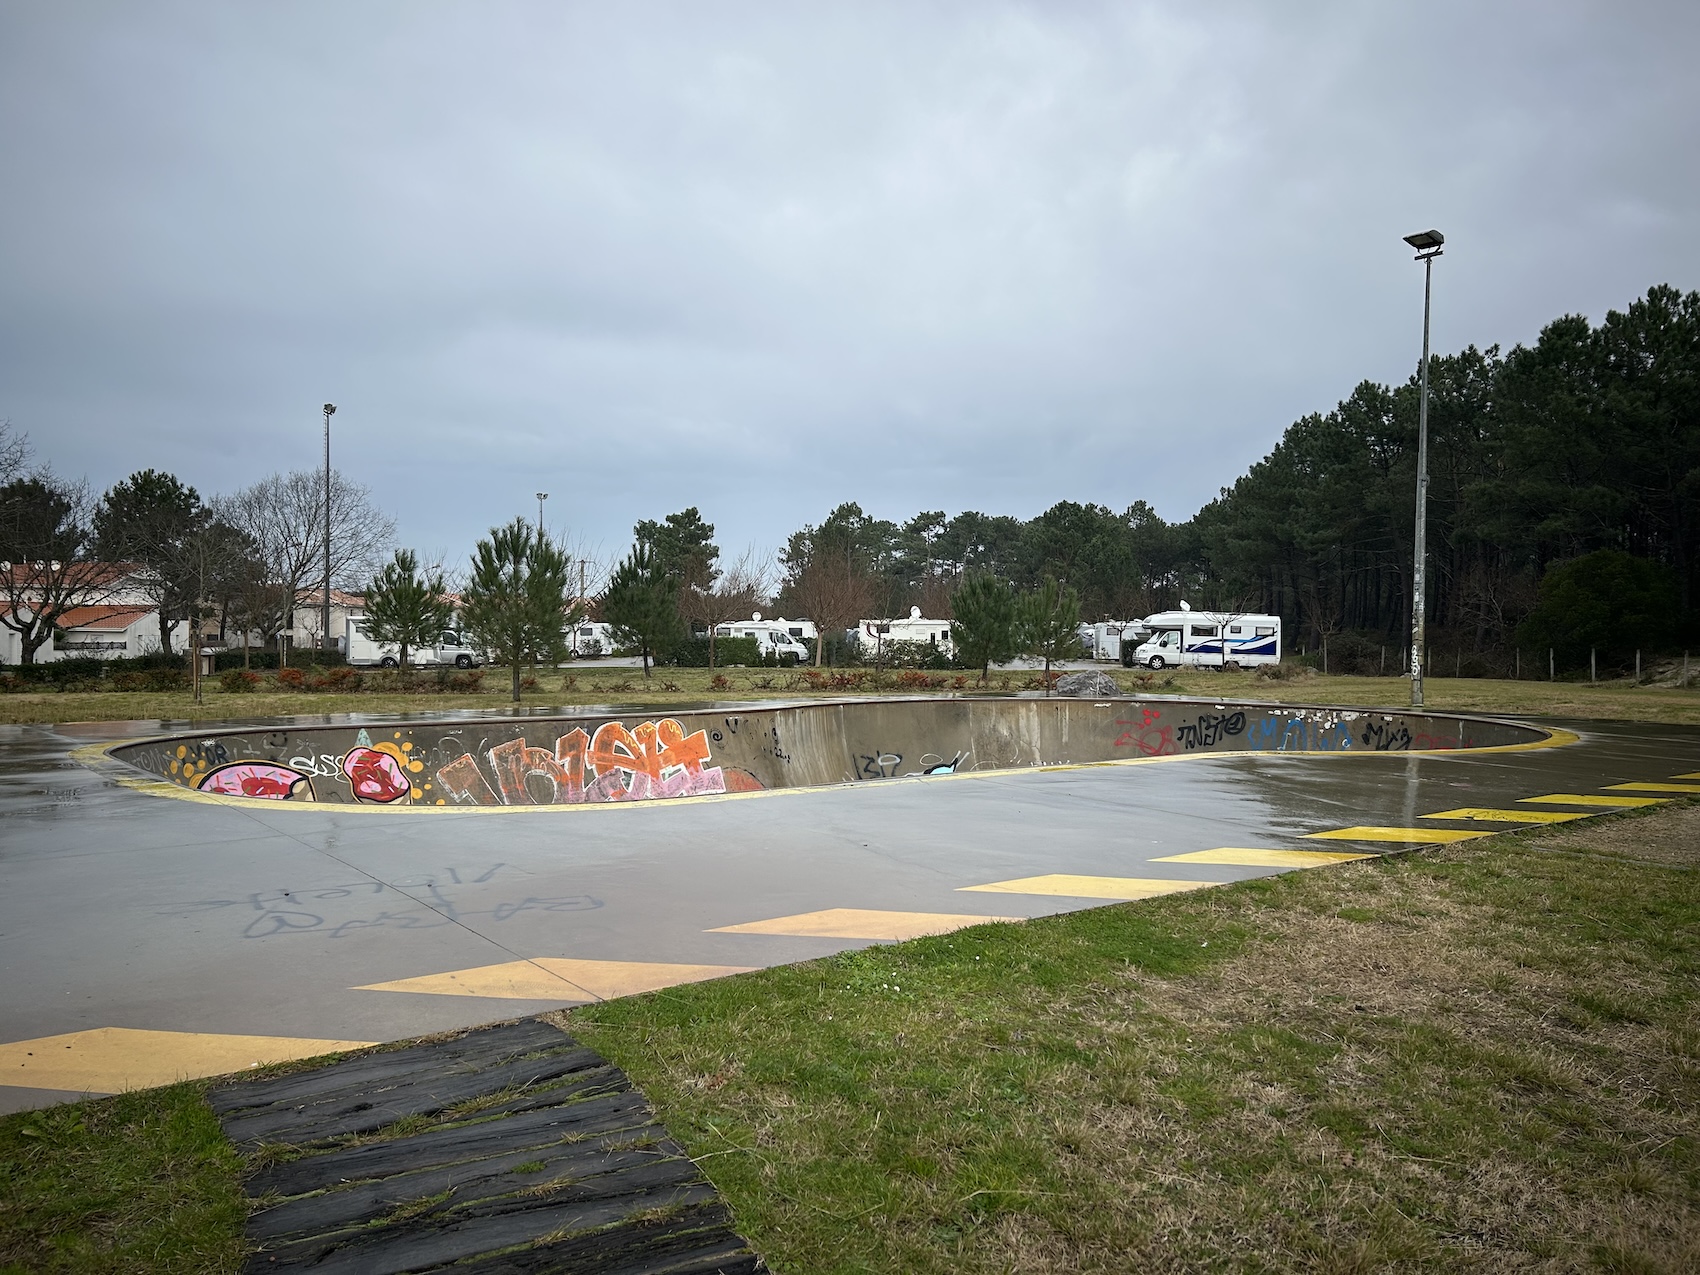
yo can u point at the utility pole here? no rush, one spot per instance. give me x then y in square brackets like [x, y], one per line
[325, 602]
[541, 497]
[1427, 243]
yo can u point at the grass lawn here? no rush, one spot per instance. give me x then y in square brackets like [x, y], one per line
[1485, 1056]
[590, 683]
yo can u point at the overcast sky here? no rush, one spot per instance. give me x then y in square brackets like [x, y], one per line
[764, 258]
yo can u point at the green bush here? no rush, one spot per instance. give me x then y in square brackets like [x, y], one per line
[693, 652]
[239, 681]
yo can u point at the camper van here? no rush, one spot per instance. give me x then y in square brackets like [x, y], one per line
[363, 652]
[777, 638]
[1207, 639]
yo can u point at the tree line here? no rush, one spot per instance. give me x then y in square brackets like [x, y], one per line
[1563, 514]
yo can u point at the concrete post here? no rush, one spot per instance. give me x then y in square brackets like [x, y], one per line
[1593, 670]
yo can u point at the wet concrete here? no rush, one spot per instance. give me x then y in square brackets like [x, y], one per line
[247, 917]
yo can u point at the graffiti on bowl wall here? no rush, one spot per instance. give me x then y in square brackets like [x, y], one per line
[648, 762]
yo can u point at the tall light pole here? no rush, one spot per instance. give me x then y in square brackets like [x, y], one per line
[325, 602]
[1427, 243]
[541, 497]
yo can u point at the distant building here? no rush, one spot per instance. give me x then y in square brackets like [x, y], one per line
[309, 613]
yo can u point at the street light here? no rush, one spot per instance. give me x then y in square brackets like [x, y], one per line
[541, 497]
[1427, 243]
[325, 602]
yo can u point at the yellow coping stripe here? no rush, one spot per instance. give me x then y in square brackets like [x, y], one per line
[860, 923]
[548, 978]
[1247, 858]
[113, 1059]
[1078, 887]
[1678, 788]
[98, 757]
[1415, 836]
[1693, 774]
[1586, 799]
[1489, 815]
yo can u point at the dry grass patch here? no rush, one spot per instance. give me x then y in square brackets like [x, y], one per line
[1485, 1057]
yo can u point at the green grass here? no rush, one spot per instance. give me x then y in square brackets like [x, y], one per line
[1485, 1056]
[590, 683]
[139, 1182]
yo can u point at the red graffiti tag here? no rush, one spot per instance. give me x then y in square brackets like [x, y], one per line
[1148, 738]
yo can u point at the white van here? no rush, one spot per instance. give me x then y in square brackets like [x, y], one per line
[1207, 639]
[363, 652]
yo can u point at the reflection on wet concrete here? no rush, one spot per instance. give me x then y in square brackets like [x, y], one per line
[123, 910]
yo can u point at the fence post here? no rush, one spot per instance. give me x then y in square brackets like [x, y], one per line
[1593, 668]
[1517, 668]
[1637, 667]
[1552, 673]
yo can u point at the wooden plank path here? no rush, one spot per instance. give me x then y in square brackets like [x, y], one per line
[510, 1150]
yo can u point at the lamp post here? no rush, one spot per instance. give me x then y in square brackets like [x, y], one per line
[325, 601]
[1427, 243]
[541, 497]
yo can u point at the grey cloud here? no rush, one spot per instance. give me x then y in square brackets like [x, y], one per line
[762, 259]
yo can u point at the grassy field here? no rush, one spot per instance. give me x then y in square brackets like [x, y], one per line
[1481, 1057]
[593, 684]
[1485, 1057]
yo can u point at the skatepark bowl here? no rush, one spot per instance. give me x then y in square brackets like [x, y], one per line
[601, 757]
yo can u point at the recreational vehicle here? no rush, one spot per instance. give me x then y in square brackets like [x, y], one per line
[777, 638]
[1208, 639]
[590, 639]
[876, 633]
[362, 651]
[1112, 641]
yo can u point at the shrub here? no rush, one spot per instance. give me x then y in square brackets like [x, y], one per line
[292, 679]
[528, 683]
[693, 652]
[465, 681]
[238, 681]
[1609, 600]
[719, 683]
[334, 679]
[914, 679]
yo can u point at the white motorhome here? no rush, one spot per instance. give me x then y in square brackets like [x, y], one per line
[1111, 640]
[777, 637]
[875, 633]
[1207, 639]
[591, 638]
[363, 652]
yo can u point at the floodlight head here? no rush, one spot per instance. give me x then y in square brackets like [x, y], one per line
[1425, 240]
[330, 409]
[543, 495]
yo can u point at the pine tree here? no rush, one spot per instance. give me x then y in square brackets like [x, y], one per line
[642, 604]
[518, 606]
[406, 608]
[984, 629]
[1050, 623]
